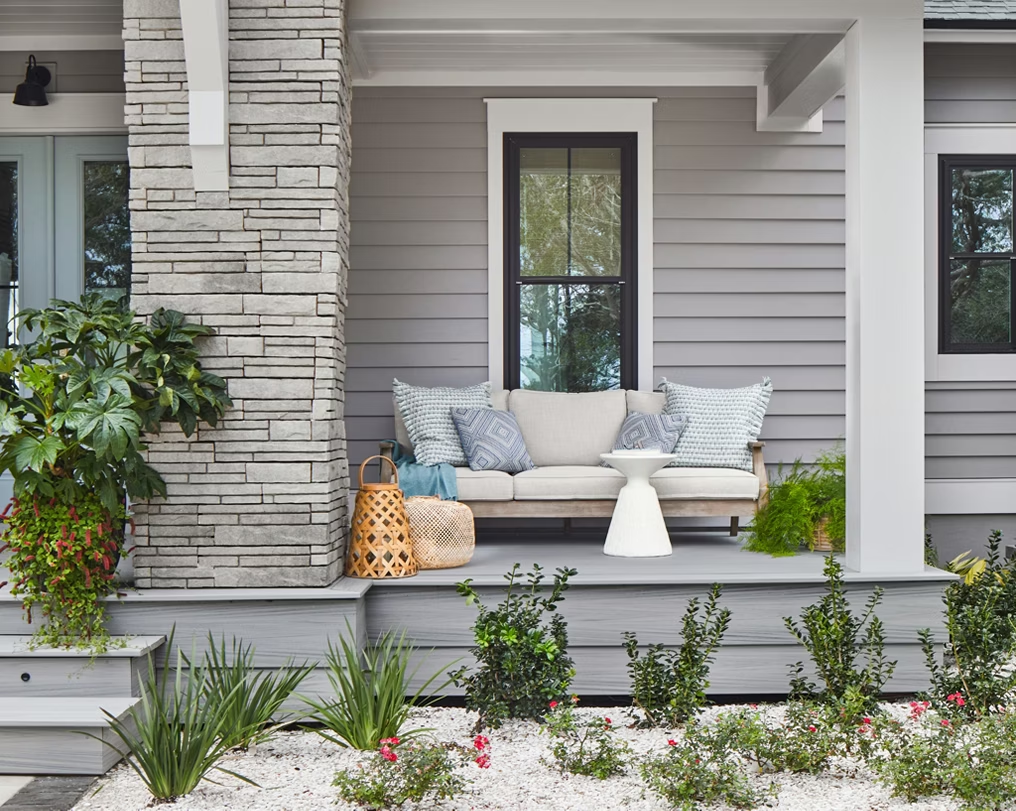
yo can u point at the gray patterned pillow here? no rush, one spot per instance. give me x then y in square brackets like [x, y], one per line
[492, 440]
[721, 423]
[650, 431]
[427, 413]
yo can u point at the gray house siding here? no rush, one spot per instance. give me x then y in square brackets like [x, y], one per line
[969, 83]
[749, 254]
[74, 71]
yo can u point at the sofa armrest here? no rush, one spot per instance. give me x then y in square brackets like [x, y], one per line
[758, 467]
[387, 450]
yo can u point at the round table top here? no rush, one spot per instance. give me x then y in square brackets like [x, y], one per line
[628, 462]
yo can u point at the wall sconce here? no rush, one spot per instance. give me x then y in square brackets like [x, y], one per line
[32, 91]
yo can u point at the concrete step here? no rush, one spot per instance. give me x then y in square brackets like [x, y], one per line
[42, 735]
[64, 673]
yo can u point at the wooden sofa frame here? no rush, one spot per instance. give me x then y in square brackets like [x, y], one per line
[604, 508]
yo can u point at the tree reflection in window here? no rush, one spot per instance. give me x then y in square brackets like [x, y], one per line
[107, 228]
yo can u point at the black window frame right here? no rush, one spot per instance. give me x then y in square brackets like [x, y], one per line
[946, 256]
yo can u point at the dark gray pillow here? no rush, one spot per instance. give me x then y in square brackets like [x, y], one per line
[658, 432]
[491, 440]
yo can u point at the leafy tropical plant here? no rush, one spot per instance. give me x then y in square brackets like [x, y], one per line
[522, 659]
[980, 618]
[588, 747]
[836, 639]
[253, 698]
[372, 700]
[798, 503]
[77, 401]
[173, 739]
[669, 686]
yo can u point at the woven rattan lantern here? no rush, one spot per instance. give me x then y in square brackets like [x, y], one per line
[442, 532]
[379, 545]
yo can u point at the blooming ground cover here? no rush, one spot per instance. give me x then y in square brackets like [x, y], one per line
[515, 767]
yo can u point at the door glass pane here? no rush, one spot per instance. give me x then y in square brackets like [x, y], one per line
[107, 228]
[979, 292]
[8, 248]
[570, 337]
[982, 210]
[570, 211]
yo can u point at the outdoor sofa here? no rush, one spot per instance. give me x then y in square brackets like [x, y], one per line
[565, 434]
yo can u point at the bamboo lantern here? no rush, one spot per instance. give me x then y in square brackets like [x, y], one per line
[379, 545]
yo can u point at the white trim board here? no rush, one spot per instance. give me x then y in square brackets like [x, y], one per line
[980, 36]
[569, 115]
[970, 496]
[956, 139]
[68, 114]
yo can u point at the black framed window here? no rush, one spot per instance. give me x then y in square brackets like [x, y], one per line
[977, 294]
[570, 260]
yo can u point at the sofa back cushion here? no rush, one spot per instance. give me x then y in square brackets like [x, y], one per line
[498, 399]
[646, 402]
[568, 429]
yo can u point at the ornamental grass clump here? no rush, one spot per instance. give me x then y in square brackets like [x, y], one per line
[522, 658]
[413, 771]
[669, 686]
[589, 747]
[838, 641]
[371, 700]
[980, 646]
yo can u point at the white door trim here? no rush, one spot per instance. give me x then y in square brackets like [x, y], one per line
[68, 114]
[569, 115]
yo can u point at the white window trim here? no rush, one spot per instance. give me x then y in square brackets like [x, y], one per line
[569, 115]
[956, 139]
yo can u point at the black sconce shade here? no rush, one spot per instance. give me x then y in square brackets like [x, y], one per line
[32, 92]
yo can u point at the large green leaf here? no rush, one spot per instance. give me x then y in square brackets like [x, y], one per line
[34, 453]
[9, 422]
[109, 426]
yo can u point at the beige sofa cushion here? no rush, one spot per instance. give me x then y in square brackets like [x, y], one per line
[568, 429]
[483, 485]
[576, 482]
[498, 399]
[646, 402]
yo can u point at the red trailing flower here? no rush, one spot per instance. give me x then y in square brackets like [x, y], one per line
[388, 754]
[481, 742]
[483, 761]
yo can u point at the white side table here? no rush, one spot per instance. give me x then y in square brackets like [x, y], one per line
[637, 528]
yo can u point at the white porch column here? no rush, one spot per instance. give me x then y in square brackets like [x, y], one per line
[885, 294]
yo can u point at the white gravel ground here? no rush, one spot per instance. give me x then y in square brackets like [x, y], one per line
[295, 772]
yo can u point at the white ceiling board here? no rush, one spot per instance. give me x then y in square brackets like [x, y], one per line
[90, 18]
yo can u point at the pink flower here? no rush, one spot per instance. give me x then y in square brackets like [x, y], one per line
[945, 722]
[483, 761]
[388, 754]
[671, 742]
[753, 706]
[867, 720]
[392, 741]
[480, 742]
[812, 729]
[553, 704]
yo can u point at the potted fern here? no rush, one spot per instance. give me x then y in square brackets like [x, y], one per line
[77, 400]
[806, 506]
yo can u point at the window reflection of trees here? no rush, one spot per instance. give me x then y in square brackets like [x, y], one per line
[107, 228]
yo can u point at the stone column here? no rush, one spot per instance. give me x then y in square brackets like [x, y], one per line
[260, 500]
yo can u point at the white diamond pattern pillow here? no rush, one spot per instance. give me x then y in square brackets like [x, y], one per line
[721, 423]
[492, 440]
[658, 432]
[427, 413]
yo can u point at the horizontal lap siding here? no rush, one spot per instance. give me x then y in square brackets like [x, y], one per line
[970, 427]
[749, 253]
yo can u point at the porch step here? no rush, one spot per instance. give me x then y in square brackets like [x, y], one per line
[57, 672]
[42, 735]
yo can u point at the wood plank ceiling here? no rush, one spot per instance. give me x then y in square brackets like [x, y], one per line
[61, 17]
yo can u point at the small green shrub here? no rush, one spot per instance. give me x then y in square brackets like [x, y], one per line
[836, 639]
[400, 772]
[372, 701]
[585, 747]
[931, 755]
[700, 769]
[174, 738]
[980, 615]
[253, 697]
[669, 686]
[522, 660]
[797, 501]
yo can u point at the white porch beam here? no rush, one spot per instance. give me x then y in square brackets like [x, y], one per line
[61, 42]
[885, 294]
[558, 78]
[807, 74]
[206, 49]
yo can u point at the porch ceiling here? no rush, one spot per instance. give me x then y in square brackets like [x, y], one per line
[60, 17]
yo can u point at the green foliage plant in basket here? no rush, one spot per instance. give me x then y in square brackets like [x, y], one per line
[78, 397]
[805, 506]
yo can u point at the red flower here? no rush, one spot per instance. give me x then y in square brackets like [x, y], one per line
[483, 761]
[388, 754]
[606, 720]
[392, 741]
[867, 720]
[480, 742]
[753, 706]
[945, 722]
[698, 760]
[553, 704]
[812, 729]
[671, 741]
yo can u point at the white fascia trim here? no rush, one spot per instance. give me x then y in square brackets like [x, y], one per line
[569, 115]
[969, 35]
[61, 42]
[205, 26]
[68, 114]
[557, 78]
[970, 496]
[956, 139]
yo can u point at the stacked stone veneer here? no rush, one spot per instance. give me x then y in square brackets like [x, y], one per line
[260, 500]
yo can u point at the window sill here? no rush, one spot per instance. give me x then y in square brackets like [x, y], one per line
[964, 367]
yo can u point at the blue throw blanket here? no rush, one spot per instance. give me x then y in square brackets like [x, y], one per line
[424, 480]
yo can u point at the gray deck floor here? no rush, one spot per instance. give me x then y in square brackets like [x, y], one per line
[697, 558]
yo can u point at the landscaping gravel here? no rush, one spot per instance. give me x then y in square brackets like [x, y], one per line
[295, 771]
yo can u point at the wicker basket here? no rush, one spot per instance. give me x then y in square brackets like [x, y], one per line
[379, 545]
[441, 531]
[820, 540]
